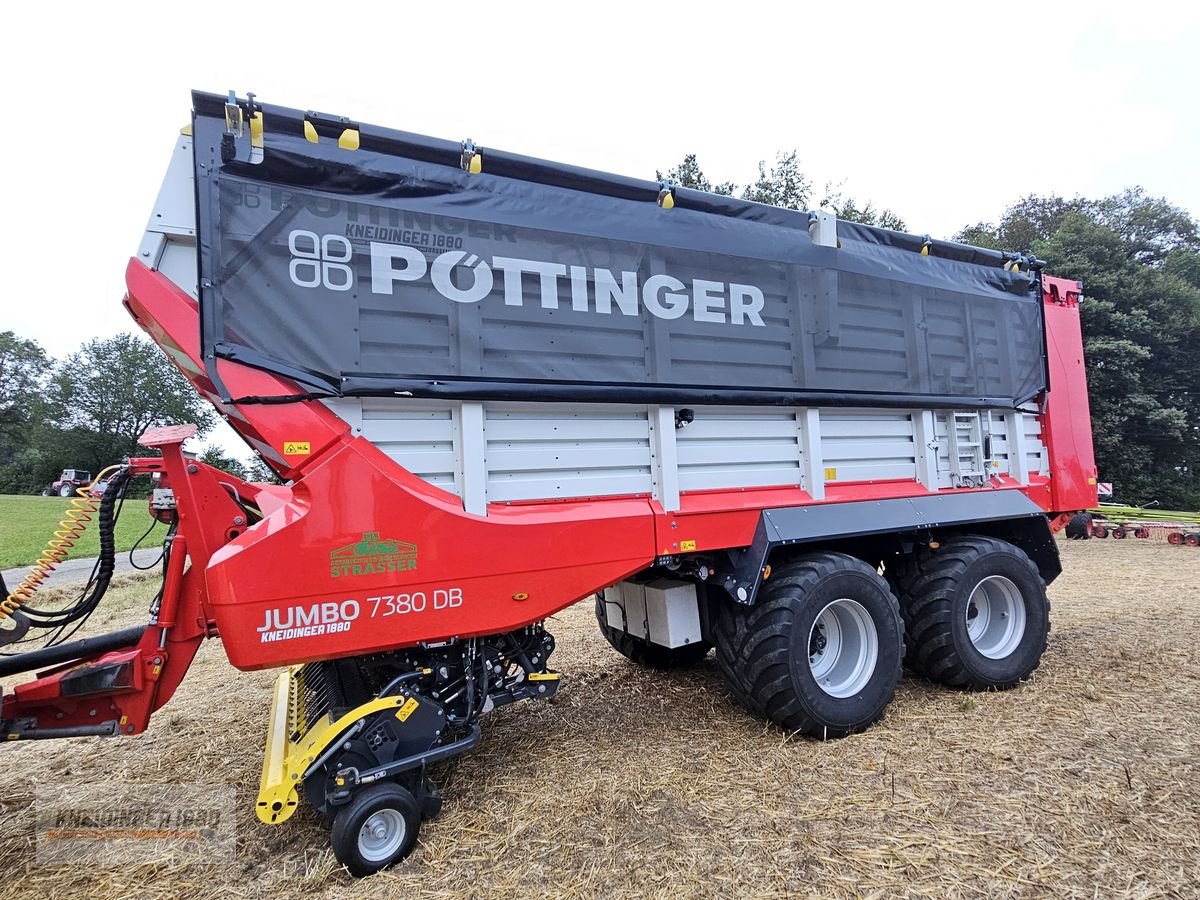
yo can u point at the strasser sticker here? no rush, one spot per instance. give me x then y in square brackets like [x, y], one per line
[372, 555]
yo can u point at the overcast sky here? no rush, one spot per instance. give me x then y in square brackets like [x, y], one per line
[946, 113]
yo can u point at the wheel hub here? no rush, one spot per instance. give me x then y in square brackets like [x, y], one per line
[995, 617]
[843, 648]
[381, 835]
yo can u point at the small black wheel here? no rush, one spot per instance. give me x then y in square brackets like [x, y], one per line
[820, 650]
[976, 614]
[1119, 533]
[47, 492]
[1080, 527]
[376, 829]
[644, 653]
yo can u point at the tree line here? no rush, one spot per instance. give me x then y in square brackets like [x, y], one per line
[1138, 257]
[88, 410]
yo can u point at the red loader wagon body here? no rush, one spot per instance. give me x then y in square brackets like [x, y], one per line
[495, 386]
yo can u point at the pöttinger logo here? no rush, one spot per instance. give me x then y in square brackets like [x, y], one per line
[320, 261]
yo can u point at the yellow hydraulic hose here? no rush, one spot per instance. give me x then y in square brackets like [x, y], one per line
[79, 513]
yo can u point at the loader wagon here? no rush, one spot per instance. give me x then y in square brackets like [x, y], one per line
[494, 386]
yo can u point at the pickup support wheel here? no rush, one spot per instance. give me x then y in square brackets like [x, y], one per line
[377, 828]
[975, 613]
[820, 650]
[644, 653]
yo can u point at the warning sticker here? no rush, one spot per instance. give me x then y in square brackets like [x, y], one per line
[687, 546]
[409, 707]
[296, 448]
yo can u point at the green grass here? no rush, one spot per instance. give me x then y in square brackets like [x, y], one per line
[27, 523]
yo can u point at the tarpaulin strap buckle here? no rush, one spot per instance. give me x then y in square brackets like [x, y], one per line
[234, 118]
[1013, 264]
[927, 243]
[471, 159]
[237, 114]
[666, 195]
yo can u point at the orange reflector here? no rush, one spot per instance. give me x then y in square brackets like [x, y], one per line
[933, 545]
[766, 572]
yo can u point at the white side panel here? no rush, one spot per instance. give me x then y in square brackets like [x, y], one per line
[538, 451]
[1036, 456]
[420, 435]
[868, 446]
[499, 452]
[169, 244]
[730, 447]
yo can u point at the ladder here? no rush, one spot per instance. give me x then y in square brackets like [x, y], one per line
[968, 457]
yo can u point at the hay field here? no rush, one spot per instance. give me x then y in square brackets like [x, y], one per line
[1084, 782]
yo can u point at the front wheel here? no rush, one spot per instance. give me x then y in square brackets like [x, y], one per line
[820, 651]
[377, 828]
[1079, 528]
[976, 614]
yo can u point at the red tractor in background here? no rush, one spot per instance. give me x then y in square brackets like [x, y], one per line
[68, 483]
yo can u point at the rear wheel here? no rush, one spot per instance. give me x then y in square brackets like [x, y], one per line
[66, 490]
[820, 651]
[643, 652]
[377, 828]
[976, 614]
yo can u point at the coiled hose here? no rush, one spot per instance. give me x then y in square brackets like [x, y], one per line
[73, 524]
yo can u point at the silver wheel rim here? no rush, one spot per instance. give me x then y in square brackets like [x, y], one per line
[843, 648]
[995, 617]
[381, 835]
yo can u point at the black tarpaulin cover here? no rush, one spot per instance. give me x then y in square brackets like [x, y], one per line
[390, 269]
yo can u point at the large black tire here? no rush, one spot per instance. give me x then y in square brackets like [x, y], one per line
[986, 639]
[771, 654]
[644, 653]
[386, 806]
[1079, 528]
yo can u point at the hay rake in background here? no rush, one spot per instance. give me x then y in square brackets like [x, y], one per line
[1145, 523]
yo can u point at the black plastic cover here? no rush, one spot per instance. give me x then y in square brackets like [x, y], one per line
[389, 269]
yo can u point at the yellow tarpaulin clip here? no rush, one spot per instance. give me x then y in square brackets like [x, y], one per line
[310, 131]
[349, 139]
[666, 195]
[925, 246]
[471, 159]
[256, 130]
